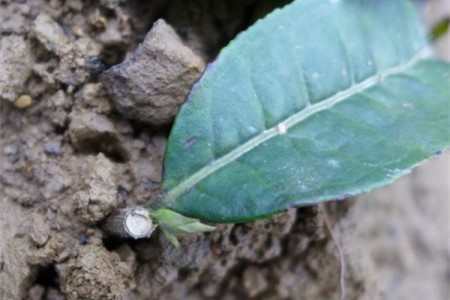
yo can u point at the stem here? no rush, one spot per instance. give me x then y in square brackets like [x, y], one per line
[128, 222]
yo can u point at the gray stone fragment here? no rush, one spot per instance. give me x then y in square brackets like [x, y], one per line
[16, 62]
[151, 85]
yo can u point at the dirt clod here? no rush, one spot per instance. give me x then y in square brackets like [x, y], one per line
[151, 85]
[98, 196]
[57, 249]
[94, 274]
[91, 131]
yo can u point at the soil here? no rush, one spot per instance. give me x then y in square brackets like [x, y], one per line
[85, 114]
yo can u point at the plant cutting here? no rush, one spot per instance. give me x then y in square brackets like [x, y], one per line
[318, 101]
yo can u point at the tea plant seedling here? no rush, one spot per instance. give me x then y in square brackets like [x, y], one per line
[317, 100]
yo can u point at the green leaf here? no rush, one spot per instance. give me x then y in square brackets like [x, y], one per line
[173, 224]
[318, 101]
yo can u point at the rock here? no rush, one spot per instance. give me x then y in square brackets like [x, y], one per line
[151, 85]
[16, 61]
[51, 35]
[97, 197]
[89, 131]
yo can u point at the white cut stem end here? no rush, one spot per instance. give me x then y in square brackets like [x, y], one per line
[134, 222]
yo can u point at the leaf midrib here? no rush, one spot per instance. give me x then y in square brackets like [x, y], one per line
[291, 121]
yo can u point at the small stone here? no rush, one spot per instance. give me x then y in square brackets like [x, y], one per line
[23, 101]
[151, 86]
[16, 63]
[53, 147]
[51, 35]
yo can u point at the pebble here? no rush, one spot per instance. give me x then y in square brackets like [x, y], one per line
[23, 101]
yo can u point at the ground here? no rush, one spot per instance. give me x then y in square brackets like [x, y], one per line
[82, 133]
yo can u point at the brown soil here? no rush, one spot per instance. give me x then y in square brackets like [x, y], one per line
[77, 142]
